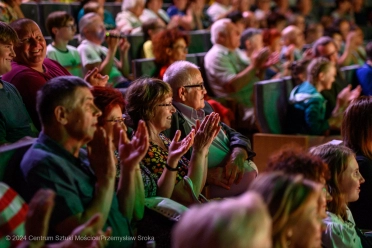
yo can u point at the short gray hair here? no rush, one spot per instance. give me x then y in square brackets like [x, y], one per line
[322, 41]
[178, 74]
[85, 22]
[248, 34]
[217, 28]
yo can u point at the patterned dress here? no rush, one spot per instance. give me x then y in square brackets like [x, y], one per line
[7, 14]
[154, 163]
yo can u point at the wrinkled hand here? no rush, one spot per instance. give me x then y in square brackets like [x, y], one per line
[178, 148]
[216, 176]
[38, 215]
[234, 169]
[95, 78]
[131, 152]
[206, 132]
[346, 95]
[101, 155]
[92, 228]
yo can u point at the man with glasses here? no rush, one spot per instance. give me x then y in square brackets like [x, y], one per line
[230, 151]
[62, 28]
[341, 89]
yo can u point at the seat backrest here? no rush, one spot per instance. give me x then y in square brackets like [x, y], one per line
[271, 104]
[113, 7]
[31, 10]
[200, 59]
[349, 73]
[200, 41]
[11, 157]
[136, 42]
[48, 7]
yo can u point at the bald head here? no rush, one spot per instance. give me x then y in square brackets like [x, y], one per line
[292, 35]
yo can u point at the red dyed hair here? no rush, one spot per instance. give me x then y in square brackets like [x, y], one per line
[164, 40]
[269, 35]
[106, 98]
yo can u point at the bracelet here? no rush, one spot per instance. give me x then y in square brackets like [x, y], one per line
[170, 168]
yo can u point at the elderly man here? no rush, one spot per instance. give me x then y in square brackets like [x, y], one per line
[293, 41]
[31, 69]
[341, 90]
[229, 154]
[227, 74]
[83, 186]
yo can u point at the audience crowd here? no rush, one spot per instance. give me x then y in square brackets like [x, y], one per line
[165, 158]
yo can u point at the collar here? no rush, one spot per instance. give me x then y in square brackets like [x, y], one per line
[187, 110]
[223, 49]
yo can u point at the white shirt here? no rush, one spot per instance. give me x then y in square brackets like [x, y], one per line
[216, 10]
[148, 14]
[126, 21]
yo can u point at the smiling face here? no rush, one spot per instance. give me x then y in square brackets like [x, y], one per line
[328, 77]
[31, 50]
[162, 118]
[82, 115]
[350, 181]
[7, 54]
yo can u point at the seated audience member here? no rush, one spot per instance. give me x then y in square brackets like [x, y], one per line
[62, 28]
[241, 223]
[153, 10]
[313, 32]
[83, 181]
[343, 11]
[93, 54]
[276, 21]
[263, 9]
[282, 7]
[343, 26]
[227, 74]
[151, 100]
[150, 28]
[127, 20]
[28, 221]
[293, 41]
[169, 46]
[307, 110]
[10, 10]
[15, 123]
[237, 18]
[364, 73]
[108, 19]
[180, 13]
[344, 186]
[272, 39]
[357, 135]
[299, 71]
[200, 18]
[298, 21]
[305, 8]
[294, 160]
[326, 47]
[293, 206]
[219, 9]
[229, 153]
[354, 53]
[31, 69]
[94, 7]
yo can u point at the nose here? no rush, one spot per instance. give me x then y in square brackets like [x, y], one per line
[173, 109]
[361, 179]
[12, 53]
[96, 111]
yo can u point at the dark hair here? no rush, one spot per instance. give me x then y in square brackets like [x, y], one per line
[91, 7]
[356, 126]
[57, 91]
[274, 18]
[166, 39]
[294, 160]
[235, 16]
[299, 67]
[322, 41]
[106, 98]
[8, 34]
[336, 156]
[57, 19]
[149, 25]
[143, 95]
[369, 50]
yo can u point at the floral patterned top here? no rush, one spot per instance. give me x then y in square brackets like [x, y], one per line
[7, 14]
[155, 160]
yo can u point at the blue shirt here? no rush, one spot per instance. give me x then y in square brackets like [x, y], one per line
[364, 75]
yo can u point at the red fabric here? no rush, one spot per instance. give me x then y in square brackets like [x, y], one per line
[162, 71]
[224, 112]
[28, 81]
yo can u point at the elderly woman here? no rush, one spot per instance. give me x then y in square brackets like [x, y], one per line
[128, 21]
[293, 205]
[169, 46]
[151, 100]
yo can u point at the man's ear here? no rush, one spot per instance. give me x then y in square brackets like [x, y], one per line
[54, 30]
[168, 51]
[61, 115]
[181, 93]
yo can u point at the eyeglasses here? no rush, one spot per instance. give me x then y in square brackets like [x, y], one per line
[183, 48]
[168, 105]
[201, 86]
[118, 121]
[72, 26]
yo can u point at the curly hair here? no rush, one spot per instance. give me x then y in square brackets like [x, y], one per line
[143, 95]
[165, 39]
[106, 98]
[337, 157]
[294, 160]
[269, 35]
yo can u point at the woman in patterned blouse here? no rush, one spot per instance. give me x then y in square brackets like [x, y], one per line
[151, 100]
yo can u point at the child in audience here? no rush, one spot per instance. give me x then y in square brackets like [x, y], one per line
[62, 28]
[344, 186]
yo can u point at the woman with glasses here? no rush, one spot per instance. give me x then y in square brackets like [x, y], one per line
[169, 46]
[293, 206]
[344, 186]
[151, 100]
[357, 135]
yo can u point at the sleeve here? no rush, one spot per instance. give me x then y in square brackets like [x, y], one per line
[45, 173]
[339, 235]
[172, 11]
[364, 76]
[221, 68]
[88, 55]
[317, 123]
